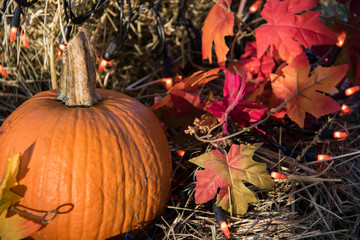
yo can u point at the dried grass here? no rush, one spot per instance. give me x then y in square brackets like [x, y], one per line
[318, 201]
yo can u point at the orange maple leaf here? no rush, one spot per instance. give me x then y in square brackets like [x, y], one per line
[218, 24]
[304, 93]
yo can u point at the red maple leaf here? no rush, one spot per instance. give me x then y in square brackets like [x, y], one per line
[179, 109]
[190, 85]
[304, 92]
[223, 172]
[234, 90]
[185, 103]
[241, 111]
[259, 67]
[180, 103]
[287, 30]
[247, 112]
[218, 24]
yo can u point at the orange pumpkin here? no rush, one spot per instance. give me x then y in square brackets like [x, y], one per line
[104, 168]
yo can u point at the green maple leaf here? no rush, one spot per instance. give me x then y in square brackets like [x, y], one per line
[227, 173]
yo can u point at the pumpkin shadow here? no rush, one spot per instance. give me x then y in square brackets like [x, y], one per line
[23, 169]
[140, 233]
[136, 234]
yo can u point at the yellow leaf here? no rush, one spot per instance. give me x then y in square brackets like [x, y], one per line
[16, 227]
[7, 197]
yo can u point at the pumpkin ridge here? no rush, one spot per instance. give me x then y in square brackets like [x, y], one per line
[103, 220]
[150, 211]
[104, 224]
[86, 167]
[129, 115]
[126, 152]
[62, 170]
[114, 117]
[109, 227]
[71, 184]
[142, 130]
[42, 191]
[112, 121]
[142, 160]
[74, 175]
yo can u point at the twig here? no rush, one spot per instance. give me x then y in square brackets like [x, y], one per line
[334, 158]
[134, 86]
[54, 83]
[234, 134]
[222, 5]
[310, 179]
[241, 7]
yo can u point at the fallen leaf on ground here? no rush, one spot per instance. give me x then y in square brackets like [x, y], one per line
[304, 92]
[227, 172]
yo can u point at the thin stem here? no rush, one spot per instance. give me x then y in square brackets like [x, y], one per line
[222, 5]
[234, 134]
[253, 22]
[241, 7]
[240, 35]
[334, 158]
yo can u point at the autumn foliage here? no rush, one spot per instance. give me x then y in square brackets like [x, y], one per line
[290, 30]
[223, 172]
[304, 89]
[279, 73]
[218, 24]
[272, 62]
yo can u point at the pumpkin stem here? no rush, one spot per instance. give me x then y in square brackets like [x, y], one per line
[78, 80]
